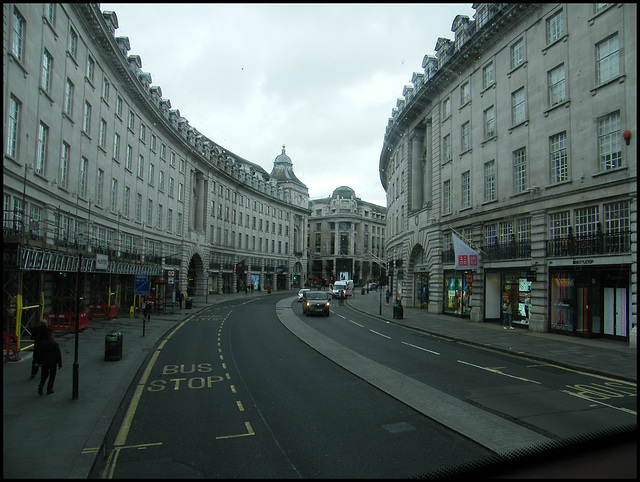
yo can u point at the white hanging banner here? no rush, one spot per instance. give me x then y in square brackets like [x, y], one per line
[466, 256]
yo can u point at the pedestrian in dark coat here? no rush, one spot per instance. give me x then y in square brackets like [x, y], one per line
[180, 298]
[50, 358]
[40, 334]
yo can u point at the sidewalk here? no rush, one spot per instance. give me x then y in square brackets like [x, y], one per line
[54, 436]
[596, 355]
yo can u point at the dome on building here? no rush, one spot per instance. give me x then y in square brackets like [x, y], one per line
[283, 169]
[344, 192]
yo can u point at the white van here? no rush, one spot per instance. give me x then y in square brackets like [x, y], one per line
[343, 285]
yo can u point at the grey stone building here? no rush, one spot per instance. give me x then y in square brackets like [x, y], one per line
[103, 180]
[519, 138]
[346, 239]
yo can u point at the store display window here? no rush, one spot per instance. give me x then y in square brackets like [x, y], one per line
[517, 288]
[458, 291]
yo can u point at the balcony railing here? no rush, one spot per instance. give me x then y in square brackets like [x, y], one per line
[600, 243]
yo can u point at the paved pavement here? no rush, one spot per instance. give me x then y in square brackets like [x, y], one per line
[54, 436]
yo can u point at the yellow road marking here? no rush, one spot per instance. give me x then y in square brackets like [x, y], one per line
[249, 432]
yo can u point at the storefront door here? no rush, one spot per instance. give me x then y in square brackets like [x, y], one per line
[615, 311]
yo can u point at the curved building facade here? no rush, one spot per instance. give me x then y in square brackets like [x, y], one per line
[518, 138]
[103, 180]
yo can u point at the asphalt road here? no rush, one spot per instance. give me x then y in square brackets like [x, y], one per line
[238, 392]
[233, 393]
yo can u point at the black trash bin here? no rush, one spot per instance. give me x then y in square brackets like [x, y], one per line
[113, 346]
[398, 311]
[187, 304]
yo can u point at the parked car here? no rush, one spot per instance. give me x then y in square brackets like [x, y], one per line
[302, 292]
[316, 302]
[371, 286]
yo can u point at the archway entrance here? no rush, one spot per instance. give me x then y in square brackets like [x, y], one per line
[196, 282]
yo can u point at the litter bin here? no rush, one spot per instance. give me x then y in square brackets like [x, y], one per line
[187, 304]
[113, 346]
[362, 291]
[398, 311]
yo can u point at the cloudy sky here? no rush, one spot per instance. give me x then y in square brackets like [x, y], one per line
[321, 79]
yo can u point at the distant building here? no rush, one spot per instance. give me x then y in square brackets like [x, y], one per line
[520, 138]
[346, 239]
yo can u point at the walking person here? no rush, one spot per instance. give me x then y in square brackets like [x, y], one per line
[507, 314]
[50, 358]
[180, 298]
[387, 295]
[39, 335]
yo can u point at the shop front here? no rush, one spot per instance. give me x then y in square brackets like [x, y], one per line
[512, 285]
[458, 286]
[421, 290]
[590, 302]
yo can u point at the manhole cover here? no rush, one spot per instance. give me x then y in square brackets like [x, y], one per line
[398, 427]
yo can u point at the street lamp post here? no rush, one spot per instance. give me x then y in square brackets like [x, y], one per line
[76, 368]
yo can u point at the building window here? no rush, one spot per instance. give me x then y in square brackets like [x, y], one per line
[12, 128]
[555, 27]
[132, 121]
[99, 187]
[159, 216]
[86, 118]
[180, 189]
[43, 140]
[179, 225]
[465, 94]
[116, 146]
[161, 180]
[119, 107]
[609, 143]
[102, 136]
[163, 151]
[127, 196]
[171, 187]
[557, 92]
[151, 173]
[64, 165]
[140, 166]
[517, 53]
[489, 123]
[616, 217]
[73, 43]
[506, 232]
[47, 71]
[154, 141]
[490, 180]
[143, 132]
[114, 195]
[558, 158]
[518, 106]
[559, 224]
[466, 189]
[91, 66]
[68, 98]
[446, 197]
[607, 59]
[490, 235]
[169, 220]
[105, 89]
[487, 76]
[446, 147]
[172, 160]
[138, 207]
[523, 229]
[182, 165]
[150, 213]
[19, 28]
[586, 221]
[84, 165]
[446, 108]
[129, 159]
[520, 170]
[465, 137]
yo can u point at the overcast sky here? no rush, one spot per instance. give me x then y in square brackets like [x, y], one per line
[321, 79]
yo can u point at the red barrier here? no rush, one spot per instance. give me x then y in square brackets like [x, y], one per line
[67, 321]
[10, 348]
[113, 311]
[97, 311]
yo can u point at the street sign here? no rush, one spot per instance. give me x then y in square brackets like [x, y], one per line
[142, 284]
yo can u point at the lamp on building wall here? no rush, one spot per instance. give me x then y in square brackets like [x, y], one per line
[626, 135]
